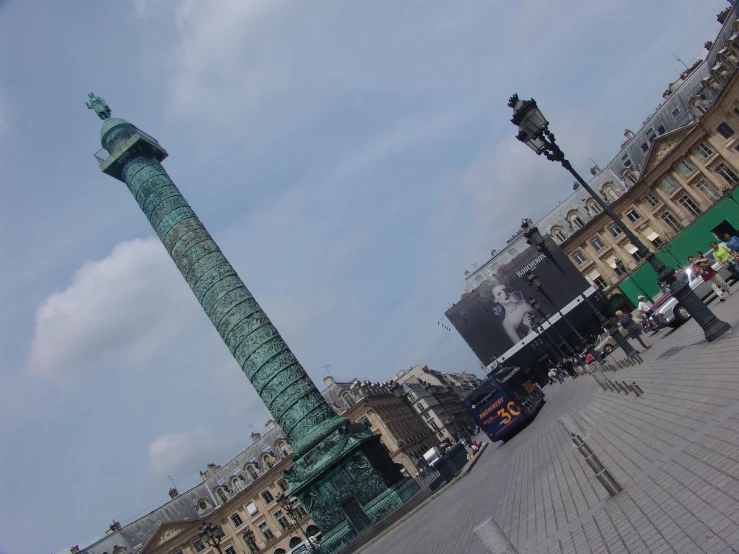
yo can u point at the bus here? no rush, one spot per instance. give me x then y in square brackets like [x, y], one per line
[504, 402]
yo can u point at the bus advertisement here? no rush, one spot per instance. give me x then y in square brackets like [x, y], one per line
[504, 402]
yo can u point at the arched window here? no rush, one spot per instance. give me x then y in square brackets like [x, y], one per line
[348, 400]
[629, 175]
[294, 541]
[575, 220]
[202, 505]
[558, 234]
[609, 193]
[280, 551]
[252, 471]
[268, 460]
[594, 207]
[283, 448]
[237, 484]
[221, 494]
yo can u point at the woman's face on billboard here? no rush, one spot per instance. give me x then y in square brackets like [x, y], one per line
[500, 294]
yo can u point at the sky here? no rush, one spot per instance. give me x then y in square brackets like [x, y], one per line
[351, 159]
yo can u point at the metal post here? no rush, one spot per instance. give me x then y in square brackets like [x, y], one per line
[637, 389]
[494, 539]
[601, 473]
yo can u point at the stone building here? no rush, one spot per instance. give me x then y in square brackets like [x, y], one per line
[462, 383]
[239, 497]
[440, 408]
[665, 175]
[379, 408]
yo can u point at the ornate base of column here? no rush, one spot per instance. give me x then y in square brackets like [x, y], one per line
[348, 483]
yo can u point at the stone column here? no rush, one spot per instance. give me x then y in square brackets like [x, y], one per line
[277, 376]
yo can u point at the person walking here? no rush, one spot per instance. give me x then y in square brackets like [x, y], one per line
[633, 329]
[709, 275]
[554, 374]
[722, 254]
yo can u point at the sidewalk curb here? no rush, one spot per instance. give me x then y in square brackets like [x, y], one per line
[418, 508]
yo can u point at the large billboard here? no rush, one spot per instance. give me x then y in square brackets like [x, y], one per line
[497, 315]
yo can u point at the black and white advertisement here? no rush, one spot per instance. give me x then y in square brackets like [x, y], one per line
[497, 315]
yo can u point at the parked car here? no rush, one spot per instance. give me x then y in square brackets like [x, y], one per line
[667, 308]
[606, 344]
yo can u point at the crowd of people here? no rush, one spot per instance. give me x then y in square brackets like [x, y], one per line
[561, 369]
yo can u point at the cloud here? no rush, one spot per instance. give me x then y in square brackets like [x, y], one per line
[171, 452]
[123, 309]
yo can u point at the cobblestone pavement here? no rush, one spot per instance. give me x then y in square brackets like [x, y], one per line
[675, 452]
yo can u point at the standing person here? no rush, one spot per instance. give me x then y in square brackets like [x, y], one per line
[732, 243]
[643, 306]
[722, 254]
[632, 328]
[569, 367]
[708, 274]
[554, 374]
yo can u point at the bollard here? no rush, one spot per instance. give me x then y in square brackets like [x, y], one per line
[610, 385]
[571, 426]
[608, 482]
[601, 473]
[636, 388]
[633, 390]
[624, 387]
[494, 539]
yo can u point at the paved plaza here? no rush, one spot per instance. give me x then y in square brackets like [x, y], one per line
[675, 452]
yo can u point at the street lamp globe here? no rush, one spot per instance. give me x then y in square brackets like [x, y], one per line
[534, 281]
[530, 121]
[533, 236]
[535, 304]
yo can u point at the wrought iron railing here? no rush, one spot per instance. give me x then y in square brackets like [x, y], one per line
[428, 482]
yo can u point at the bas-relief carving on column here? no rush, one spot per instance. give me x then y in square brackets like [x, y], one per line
[276, 374]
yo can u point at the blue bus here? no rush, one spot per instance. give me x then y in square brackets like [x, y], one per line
[505, 401]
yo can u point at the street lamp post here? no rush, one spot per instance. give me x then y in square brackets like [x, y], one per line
[536, 284]
[668, 248]
[539, 329]
[534, 238]
[727, 192]
[533, 130]
[209, 534]
[286, 504]
[622, 268]
[250, 541]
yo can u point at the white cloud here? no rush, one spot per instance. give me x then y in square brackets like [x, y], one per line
[171, 452]
[123, 309]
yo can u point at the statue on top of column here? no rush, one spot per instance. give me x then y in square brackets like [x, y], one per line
[99, 105]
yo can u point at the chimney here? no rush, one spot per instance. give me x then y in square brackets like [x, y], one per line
[595, 170]
[329, 380]
[255, 436]
[74, 549]
[173, 492]
[708, 45]
[270, 424]
[628, 134]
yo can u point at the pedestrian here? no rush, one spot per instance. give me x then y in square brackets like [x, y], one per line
[700, 266]
[722, 254]
[569, 367]
[643, 306]
[553, 374]
[632, 328]
[732, 243]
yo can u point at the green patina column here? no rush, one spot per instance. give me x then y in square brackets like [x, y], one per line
[340, 472]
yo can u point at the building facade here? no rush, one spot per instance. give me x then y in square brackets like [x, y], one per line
[441, 410]
[240, 498]
[382, 410]
[462, 383]
[664, 177]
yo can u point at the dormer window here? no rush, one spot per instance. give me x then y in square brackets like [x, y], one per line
[594, 207]
[348, 400]
[251, 470]
[576, 222]
[610, 193]
[558, 235]
[222, 495]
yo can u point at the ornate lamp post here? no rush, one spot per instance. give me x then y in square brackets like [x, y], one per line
[250, 541]
[537, 286]
[727, 192]
[210, 535]
[286, 506]
[539, 330]
[533, 130]
[623, 269]
[534, 238]
[668, 249]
